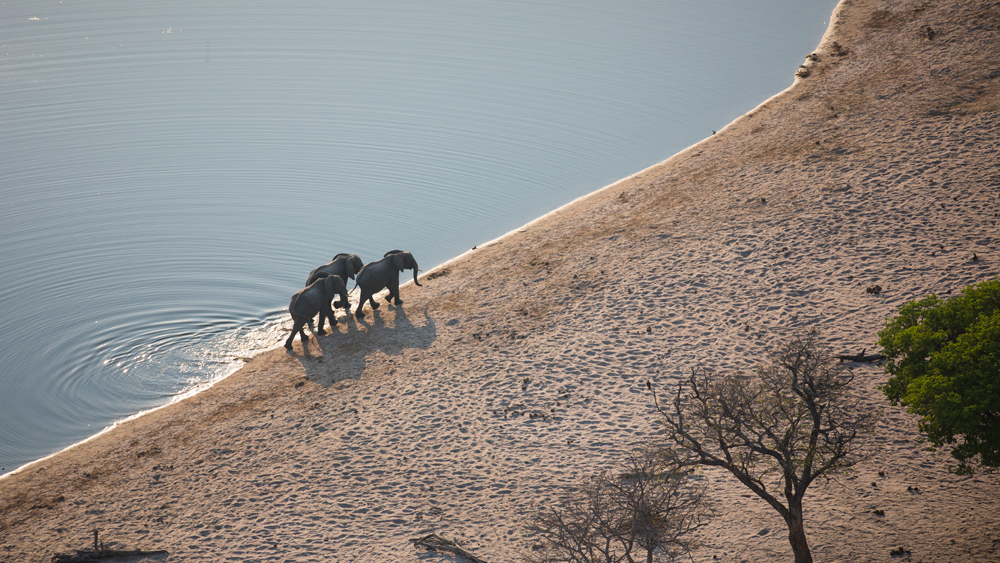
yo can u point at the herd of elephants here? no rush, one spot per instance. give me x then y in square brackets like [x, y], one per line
[330, 280]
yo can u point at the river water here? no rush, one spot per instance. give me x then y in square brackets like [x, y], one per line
[170, 172]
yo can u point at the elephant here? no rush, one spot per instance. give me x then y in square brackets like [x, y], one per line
[344, 265]
[315, 299]
[381, 274]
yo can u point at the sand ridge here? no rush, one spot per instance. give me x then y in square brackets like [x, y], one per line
[520, 367]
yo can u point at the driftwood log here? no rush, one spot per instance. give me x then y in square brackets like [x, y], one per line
[434, 542]
[99, 552]
[87, 555]
[861, 357]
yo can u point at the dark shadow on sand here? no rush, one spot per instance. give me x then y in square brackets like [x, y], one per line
[342, 353]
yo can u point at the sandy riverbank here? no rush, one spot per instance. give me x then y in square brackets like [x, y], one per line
[519, 368]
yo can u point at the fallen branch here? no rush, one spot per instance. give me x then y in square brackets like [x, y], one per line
[434, 542]
[87, 555]
[99, 552]
[861, 357]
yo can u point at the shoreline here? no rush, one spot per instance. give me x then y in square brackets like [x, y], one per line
[177, 398]
[514, 373]
[200, 387]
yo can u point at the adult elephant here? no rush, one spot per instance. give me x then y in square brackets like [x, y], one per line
[346, 266]
[315, 299]
[384, 273]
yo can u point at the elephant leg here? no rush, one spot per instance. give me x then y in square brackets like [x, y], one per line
[322, 321]
[359, 312]
[394, 293]
[371, 301]
[297, 327]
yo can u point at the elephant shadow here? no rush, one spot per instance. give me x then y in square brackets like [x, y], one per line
[343, 354]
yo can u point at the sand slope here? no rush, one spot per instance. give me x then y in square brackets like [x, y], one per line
[520, 367]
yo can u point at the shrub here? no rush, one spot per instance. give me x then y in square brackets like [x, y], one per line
[646, 510]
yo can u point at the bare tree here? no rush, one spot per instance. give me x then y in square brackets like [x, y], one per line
[649, 508]
[777, 430]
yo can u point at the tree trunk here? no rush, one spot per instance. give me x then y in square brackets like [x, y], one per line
[797, 532]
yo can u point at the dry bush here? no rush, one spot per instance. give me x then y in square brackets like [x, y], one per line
[646, 511]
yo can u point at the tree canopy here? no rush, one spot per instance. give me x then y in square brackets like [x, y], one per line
[944, 359]
[793, 420]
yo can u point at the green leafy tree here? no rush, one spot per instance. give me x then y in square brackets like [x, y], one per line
[944, 359]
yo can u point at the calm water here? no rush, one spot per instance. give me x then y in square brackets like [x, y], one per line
[171, 171]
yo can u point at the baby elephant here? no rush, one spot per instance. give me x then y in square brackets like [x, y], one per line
[384, 273]
[315, 299]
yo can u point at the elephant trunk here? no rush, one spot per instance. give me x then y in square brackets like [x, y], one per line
[415, 282]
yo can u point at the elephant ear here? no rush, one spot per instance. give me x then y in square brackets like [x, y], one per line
[399, 260]
[353, 266]
[330, 285]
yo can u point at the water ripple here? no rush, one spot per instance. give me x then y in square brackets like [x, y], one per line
[170, 173]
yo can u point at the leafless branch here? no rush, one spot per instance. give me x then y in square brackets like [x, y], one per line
[649, 507]
[778, 429]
